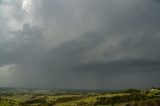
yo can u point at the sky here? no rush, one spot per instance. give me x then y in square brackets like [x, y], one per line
[80, 44]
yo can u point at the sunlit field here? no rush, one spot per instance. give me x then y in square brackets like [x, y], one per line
[34, 97]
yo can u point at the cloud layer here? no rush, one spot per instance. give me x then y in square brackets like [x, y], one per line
[80, 44]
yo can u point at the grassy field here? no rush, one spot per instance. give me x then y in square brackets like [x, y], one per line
[132, 97]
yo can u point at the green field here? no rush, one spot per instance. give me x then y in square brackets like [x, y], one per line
[130, 97]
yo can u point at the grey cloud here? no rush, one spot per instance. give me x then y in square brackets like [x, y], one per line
[84, 44]
[21, 45]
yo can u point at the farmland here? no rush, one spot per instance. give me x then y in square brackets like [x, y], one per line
[49, 97]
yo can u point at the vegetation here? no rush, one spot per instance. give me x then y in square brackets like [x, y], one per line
[32, 97]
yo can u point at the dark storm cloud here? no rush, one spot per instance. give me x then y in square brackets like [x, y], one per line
[82, 44]
[119, 65]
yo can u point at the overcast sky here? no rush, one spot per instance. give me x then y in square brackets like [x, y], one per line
[80, 44]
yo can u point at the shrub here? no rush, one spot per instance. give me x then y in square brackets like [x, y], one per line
[135, 104]
[128, 104]
[157, 102]
[150, 103]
